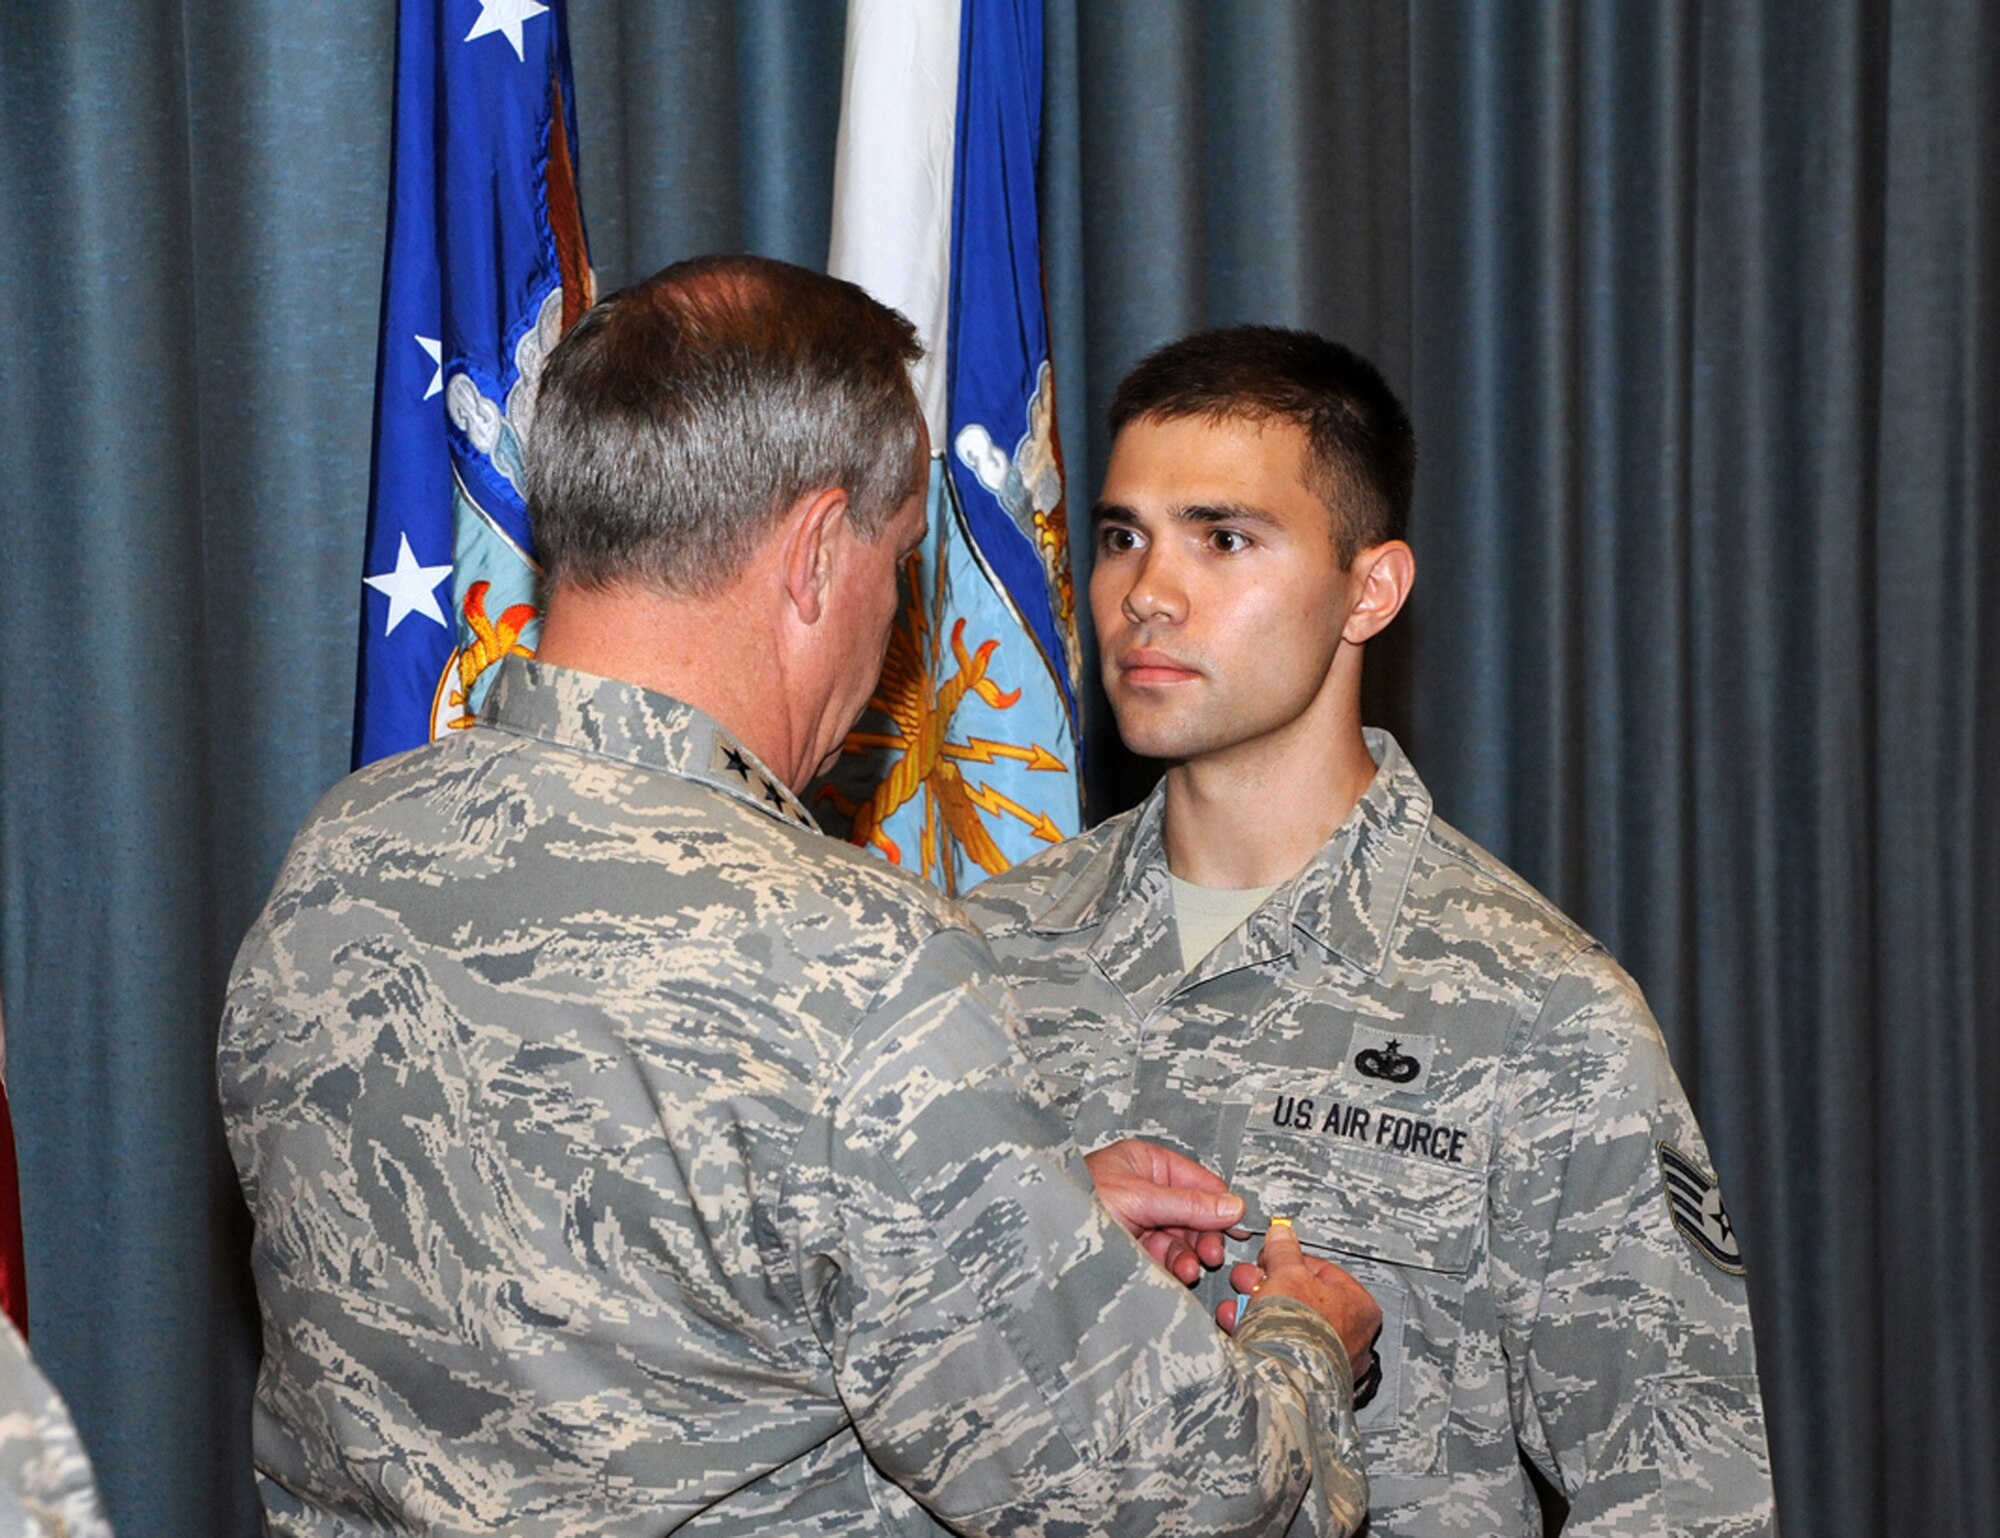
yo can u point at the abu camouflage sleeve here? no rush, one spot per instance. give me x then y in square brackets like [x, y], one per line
[1007, 1352]
[46, 1489]
[1624, 1315]
[1286, 1337]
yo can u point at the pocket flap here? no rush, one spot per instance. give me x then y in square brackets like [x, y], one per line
[1352, 1199]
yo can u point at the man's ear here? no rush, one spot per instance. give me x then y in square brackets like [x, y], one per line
[1381, 578]
[811, 542]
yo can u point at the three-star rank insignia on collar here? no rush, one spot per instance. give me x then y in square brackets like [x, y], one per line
[730, 761]
[1694, 1202]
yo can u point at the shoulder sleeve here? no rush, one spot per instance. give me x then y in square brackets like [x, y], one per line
[1623, 1311]
[1007, 902]
[1008, 1354]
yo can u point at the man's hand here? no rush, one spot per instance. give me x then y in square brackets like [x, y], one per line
[1173, 1206]
[1288, 1272]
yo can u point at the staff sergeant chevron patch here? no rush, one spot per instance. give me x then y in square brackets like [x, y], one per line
[1694, 1201]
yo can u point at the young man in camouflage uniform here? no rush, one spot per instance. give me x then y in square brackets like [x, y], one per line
[1286, 965]
[626, 1154]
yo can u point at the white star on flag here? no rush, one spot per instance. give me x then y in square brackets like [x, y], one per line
[505, 17]
[435, 347]
[409, 588]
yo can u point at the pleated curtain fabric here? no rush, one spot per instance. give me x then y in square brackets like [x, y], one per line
[1695, 308]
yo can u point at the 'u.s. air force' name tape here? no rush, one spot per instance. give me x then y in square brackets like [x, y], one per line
[1393, 1131]
[1694, 1202]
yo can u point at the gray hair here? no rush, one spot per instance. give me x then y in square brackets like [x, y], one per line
[681, 417]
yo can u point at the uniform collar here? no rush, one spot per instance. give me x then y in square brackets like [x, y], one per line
[1347, 898]
[613, 719]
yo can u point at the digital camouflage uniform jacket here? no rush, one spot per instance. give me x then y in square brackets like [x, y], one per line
[625, 1153]
[45, 1486]
[1458, 1096]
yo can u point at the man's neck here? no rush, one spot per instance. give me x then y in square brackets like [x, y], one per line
[1258, 817]
[712, 653]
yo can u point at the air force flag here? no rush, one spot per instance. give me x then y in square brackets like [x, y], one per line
[486, 267]
[967, 758]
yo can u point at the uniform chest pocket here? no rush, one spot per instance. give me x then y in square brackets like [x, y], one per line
[1405, 1223]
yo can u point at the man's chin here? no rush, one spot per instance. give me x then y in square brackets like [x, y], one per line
[1154, 743]
[1149, 732]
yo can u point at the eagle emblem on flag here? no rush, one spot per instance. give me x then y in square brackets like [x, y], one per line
[967, 759]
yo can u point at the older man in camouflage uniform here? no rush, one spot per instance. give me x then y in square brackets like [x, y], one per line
[1287, 965]
[624, 1154]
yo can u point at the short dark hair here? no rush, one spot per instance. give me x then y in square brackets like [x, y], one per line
[680, 417]
[1362, 454]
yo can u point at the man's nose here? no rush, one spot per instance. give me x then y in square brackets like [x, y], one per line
[1157, 595]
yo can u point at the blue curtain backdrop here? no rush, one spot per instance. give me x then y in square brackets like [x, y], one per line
[1695, 307]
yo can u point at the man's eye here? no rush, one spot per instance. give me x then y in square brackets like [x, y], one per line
[1229, 541]
[1114, 538]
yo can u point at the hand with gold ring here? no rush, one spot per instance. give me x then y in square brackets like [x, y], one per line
[1286, 1271]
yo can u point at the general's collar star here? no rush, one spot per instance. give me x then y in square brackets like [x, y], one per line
[731, 765]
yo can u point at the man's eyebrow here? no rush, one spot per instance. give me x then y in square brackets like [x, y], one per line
[1193, 512]
[1225, 512]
